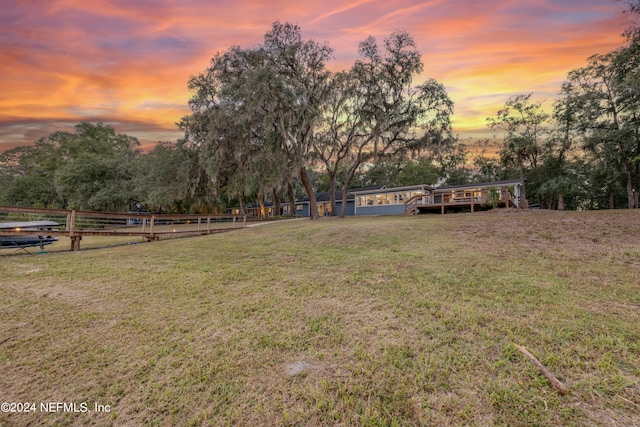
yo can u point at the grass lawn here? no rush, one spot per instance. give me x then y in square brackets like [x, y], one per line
[361, 321]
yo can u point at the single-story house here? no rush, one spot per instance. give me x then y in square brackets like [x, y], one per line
[414, 199]
[418, 199]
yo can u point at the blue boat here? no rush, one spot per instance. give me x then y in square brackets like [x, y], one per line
[24, 240]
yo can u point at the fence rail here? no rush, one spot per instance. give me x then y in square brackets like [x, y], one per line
[76, 223]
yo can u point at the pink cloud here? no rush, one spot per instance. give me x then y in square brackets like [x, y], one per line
[117, 61]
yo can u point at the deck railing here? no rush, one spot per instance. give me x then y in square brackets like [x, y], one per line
[461, 198]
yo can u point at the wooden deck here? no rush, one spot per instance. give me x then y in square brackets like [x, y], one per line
[76, 224]
[460, 201]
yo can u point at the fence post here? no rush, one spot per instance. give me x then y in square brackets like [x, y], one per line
[75, 240]
[151, 228]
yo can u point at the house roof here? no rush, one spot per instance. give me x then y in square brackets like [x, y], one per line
[371, 187]
[441, 189]
[267, 204]
[325, 196]
[393, 189]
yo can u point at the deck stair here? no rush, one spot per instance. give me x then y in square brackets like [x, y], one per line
[411, 205]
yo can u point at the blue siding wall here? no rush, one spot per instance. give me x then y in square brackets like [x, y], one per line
[305, 209]
[349, 210]
[380, 210]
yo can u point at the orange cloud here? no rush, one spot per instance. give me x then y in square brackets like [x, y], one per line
[127, 63]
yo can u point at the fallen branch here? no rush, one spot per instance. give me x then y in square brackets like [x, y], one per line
[554, 381]
[628, 401]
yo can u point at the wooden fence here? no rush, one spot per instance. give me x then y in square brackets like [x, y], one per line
[75, 224]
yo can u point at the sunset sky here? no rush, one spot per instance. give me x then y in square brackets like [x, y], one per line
[126, 63]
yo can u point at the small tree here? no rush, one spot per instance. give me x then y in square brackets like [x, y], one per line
[494, 196]
[524, 125]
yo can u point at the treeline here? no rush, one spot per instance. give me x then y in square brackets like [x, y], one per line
[271, 122]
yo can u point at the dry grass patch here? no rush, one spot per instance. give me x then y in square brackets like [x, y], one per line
[362, 321]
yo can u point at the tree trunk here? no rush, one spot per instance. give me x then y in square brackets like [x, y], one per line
[343, 208]
[560, 202]
[243, 209]
[313, 206]
[630, 196]
[276, 203]
[332, 194]
[292, 199]
[261, 203]
[612, 199]
[345, 189]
